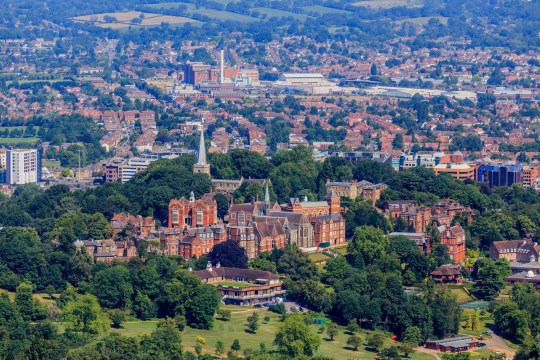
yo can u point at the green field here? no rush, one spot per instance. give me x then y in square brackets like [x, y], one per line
[321, 10]
[318, 257]
[220, 15]
[17, 141]
[279, 13]
[169, 5]
[388, 4]
[223, 15]
[227, 331]
[49, 163]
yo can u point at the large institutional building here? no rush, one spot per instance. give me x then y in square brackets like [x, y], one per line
[21, 166]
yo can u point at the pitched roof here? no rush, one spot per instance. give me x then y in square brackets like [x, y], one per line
[447, 270]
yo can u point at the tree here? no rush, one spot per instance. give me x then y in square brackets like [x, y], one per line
[235, 346]
[332, 331]
[489, 280]
[163, 343]
[475, 323]
[117, 316]
[370, 242]
[85, 315]
[294, 338]
[220, 348]
[253, 322]
[397, 143]
[201, 307]
[354, 342]
[229, 254]
[24, 300]
[511, 321]
[222, 205]
[412, 336]
[375, 341]
[374, 69]
[224, 314]
[352, 326]
[295, 264]
[199, 346]
[50, 291]
[113, 288]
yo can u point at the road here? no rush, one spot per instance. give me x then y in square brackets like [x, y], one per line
[496, 343]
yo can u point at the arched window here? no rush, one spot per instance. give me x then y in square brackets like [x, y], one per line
[273, 243]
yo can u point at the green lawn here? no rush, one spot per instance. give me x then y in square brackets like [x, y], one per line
[223, 15]
[16, 141]
[322, 10]
[318, 257]
[227, 331]
[234, 283]
[342, 250]
[279, 13]
[49, 163]
[461, 296]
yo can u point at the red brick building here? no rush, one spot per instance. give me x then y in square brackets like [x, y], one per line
[453, 237]
[447, 274]
[270, 234]
[326, 217]
[192, 242]
[184, 213]
[142, 226]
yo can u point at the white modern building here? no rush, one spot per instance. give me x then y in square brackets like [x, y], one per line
[21, 166]
[309, 83]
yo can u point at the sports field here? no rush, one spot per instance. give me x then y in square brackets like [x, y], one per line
[132, 18]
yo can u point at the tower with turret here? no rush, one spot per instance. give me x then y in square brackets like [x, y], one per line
[201, 166]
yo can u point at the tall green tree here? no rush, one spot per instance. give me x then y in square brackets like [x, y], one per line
[294, 338]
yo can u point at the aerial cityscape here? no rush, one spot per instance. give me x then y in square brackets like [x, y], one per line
[301, 179]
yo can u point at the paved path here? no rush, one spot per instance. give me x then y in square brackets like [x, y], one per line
[433, 353]
[496, 343]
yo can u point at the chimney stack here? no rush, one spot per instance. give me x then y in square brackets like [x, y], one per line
[222, 68]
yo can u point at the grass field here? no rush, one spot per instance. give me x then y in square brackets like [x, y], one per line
[16, 141]
[124, 19]
[49, 163]
[279, 13]
[42, 298]
[321, 10]
[227, 331]
[461, 296]
[387, 4]
[220, 15]
[340, 250]
[317, 257]
[223, 15]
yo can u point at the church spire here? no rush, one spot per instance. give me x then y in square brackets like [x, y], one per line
[202, 151]
[201, 166]
[266, 199]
